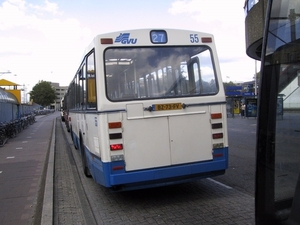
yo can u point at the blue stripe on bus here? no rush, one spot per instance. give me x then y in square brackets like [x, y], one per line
[104, 175]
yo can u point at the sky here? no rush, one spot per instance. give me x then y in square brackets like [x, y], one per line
[45, 39]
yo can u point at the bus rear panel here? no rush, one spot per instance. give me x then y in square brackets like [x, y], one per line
[150, 109]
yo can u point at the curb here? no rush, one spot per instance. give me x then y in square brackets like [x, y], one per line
[47, 213]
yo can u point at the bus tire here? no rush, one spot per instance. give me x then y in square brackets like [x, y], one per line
[86, 170]
[73, 140]
[71, 132]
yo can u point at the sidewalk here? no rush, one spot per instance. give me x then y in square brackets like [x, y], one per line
[23, 163]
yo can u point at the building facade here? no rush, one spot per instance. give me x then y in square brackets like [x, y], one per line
[60, 92]
[255, 11]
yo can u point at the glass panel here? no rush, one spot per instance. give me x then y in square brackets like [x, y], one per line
[161, 72]
[278, 155]
[284, 51]
[249, 4]
[83, 88]
[72, 95]
[91, 82]
[78, 91]
[207, 73]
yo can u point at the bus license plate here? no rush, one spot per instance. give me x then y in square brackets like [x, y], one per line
[171, 106]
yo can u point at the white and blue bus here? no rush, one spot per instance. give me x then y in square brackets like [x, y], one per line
[147, 108]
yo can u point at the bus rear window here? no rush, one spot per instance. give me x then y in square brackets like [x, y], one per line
[161, 72]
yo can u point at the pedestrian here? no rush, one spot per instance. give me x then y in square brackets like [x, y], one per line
[243, 110]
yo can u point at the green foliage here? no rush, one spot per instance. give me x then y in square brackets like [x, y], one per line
[257, 76]
[228, 84]
[43, 94]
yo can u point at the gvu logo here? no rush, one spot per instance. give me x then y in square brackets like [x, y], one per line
[124, 39]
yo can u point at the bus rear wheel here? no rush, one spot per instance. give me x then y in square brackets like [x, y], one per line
[86, 170]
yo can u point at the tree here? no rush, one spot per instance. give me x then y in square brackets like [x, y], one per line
[228, 84]
[257, 76]
[43, 94]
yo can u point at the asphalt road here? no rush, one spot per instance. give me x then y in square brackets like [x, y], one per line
[41, 182]
[227, 199]
[240, 174]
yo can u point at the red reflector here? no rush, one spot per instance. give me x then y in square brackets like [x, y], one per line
[216, 115]
[116, 147]
[118, 168]
[218, 135]
[218, 155]
[114, 125]
[106, 41]
[206, 40]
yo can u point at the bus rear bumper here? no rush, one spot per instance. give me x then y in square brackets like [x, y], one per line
[113, 174]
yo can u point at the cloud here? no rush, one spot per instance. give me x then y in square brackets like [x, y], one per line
[225, 20]
[207, 11]
[38, 39]
[219, 17]
[19, 46]
[182, 6]
[48, 7]
[12, 14]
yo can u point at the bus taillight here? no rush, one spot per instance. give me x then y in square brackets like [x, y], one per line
[116, 147]
[118, 168]
[217, 135]
[114, 125]
[216, 115]
[218, 155]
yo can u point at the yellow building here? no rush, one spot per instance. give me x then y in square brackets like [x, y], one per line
[11, 88]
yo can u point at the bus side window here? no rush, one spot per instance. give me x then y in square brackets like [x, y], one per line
[71, 102]
[83, 87]
[207, 73]
[91, 83]
[194, 76]
[78, 91]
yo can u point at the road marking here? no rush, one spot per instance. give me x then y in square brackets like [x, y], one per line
[24, 141]
[10, 157]
[219, 183]
[0, 171]
[19, 148]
